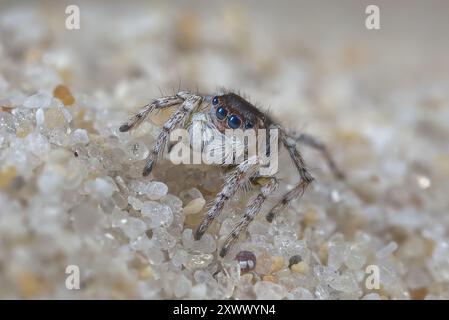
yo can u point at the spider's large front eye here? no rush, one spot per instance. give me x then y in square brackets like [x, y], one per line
[234, 122]
[221, 113]
[215, 101]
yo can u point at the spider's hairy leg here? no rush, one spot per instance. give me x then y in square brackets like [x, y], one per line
[237, 179]
[252, 209]
[304, 174]
[140, 116]
[321, 147]
[191, 102]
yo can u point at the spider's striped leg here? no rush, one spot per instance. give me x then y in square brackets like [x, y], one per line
[191, 102]
[251, 211]
[296, 192]
[321, 147]
[304, 174]
[237, 179]
[140, 116]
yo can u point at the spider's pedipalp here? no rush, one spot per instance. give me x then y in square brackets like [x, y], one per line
[190, 103]
[305, 177]
[251, 211]
[232, 184]
[140, 116]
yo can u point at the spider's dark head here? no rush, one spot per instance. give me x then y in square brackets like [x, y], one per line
[231, 111]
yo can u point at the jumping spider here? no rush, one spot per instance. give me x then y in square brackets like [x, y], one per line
[230, 111]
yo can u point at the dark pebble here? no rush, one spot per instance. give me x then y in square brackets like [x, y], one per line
[247, 261]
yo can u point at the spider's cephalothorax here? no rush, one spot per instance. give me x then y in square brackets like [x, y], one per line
[231, 111]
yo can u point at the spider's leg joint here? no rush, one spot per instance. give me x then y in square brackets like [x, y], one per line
[148, 168]
[124, 128]
[200, 231]
[223, 251]
[305, 177]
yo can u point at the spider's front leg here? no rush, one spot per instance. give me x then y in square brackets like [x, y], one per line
[305, 177]
[236, 180]
[189, 103]
[157, 104]
[252, 209]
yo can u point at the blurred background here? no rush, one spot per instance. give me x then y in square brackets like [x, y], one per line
[378, 98]
[314, 60]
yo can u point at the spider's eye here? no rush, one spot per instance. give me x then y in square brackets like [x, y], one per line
[249, 125]
[215, 101]
[221, 113]
[234, 122]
